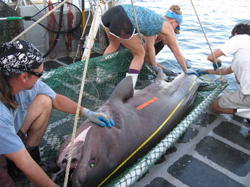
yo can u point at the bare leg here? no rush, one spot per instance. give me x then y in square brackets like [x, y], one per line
[216, 108]
[113, 43]
[37, 118]
[136, 48]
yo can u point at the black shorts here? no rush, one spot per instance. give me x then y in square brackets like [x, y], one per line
[117, 21]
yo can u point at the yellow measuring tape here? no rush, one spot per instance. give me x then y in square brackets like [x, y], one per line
[151, 135]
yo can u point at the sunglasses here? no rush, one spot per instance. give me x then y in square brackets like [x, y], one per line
[36, 73]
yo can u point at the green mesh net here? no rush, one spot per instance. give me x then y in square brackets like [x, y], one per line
[103, 74]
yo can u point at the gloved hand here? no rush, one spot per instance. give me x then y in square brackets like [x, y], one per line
[191, 71]
[201, 71]
[219, 64]
[97, 118]
[167, 71]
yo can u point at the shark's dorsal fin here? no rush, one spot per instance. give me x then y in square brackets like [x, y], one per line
[123, 91]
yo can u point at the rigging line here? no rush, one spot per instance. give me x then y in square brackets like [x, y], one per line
[79, 101]
[157, 130]
[137, 27]
[38, 21]
[223, 79]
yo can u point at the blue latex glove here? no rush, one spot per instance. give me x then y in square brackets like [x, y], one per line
[167, 71]
[201, 71]
[98, 118]
[219, 64]
[191, 71]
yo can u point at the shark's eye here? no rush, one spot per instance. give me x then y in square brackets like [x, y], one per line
[91, 163]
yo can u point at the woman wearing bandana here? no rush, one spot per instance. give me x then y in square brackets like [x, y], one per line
[25, 106]
[120, 26]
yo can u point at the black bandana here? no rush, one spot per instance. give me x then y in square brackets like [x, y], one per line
[19, 57]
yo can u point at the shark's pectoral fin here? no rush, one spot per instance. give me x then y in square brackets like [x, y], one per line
[76, 154]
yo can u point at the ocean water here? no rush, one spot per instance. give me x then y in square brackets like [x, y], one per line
[217, 17]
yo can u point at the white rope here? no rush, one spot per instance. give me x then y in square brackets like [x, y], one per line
[222, 79]
[137, 27]
[38, 21]
[79, 102]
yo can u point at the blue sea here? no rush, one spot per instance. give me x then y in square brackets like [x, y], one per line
[217, 17]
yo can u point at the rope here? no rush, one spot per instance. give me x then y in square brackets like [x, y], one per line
[79, 103]
[38, 21]
[222, 79]
[137, 27]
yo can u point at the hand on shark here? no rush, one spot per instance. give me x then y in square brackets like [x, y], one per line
[191, 71]
[97, 118]
[201, 71]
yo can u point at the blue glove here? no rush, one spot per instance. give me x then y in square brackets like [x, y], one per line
[201, 71]
[167, 71]
[191, 71]
[97, 118]
[219, 64]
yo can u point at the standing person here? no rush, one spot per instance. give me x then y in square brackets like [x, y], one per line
[172, 15]
[238, 45]
[25, 104]
[120, 26]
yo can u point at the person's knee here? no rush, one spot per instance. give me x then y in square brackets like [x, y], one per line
[43, 101]
[214, 105]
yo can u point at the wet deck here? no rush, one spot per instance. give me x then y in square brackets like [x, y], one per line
[213, 152]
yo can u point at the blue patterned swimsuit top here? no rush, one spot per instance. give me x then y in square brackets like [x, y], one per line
[149, 22]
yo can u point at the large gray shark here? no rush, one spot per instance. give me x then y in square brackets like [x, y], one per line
[99, 151]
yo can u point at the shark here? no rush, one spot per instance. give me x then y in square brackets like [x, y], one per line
[101, 153]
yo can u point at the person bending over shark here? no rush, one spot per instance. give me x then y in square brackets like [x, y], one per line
[120, 26]
[174, 17]
[25, 104]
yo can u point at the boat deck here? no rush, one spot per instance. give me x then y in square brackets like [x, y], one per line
[213, 152]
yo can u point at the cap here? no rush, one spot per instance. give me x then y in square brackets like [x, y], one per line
[173, 15]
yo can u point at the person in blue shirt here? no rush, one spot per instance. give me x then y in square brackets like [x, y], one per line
[173, 15]
[25, 106]
[121, 27]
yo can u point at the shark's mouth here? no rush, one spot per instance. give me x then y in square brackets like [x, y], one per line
[76, 154]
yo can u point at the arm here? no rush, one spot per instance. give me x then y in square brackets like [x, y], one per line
[224, 71]
[150, 50]
[217, 54]
[30, 168]
[167, 30]
[64, 104]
